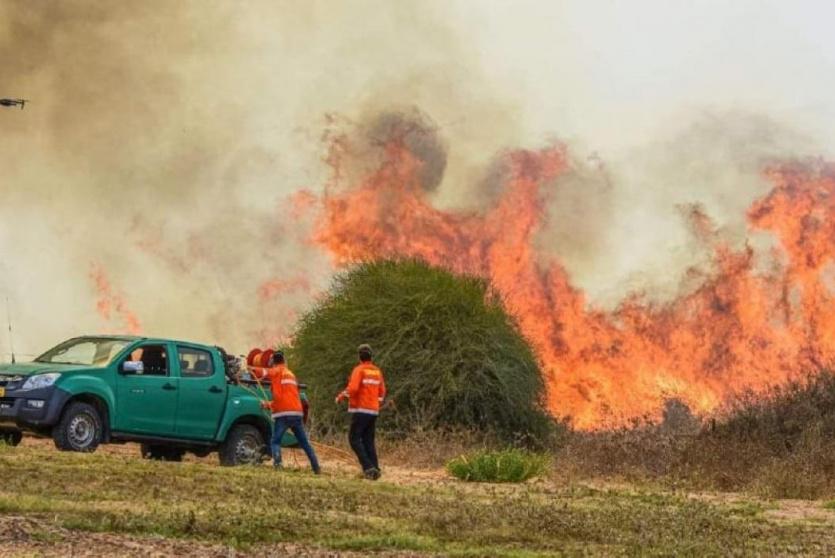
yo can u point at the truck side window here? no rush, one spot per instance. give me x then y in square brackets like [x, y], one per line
[195, 363]
[154, 360]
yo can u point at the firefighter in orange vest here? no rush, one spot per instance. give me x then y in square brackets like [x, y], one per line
[287, 411]
[365, 393]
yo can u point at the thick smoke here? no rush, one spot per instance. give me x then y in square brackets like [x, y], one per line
[644, 232]
[164, 141]
[419, 136]
[127, 162]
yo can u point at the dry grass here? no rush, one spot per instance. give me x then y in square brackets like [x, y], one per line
[431, 449]
[254, 510]
[778, 445]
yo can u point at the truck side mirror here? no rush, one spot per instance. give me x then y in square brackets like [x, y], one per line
[132, 367]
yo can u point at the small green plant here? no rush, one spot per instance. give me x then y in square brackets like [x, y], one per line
[511, 465]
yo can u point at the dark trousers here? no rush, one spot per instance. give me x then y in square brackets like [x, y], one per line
[296, 426]
[361, 436]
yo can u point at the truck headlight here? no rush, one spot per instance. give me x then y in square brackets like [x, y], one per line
[39, 381]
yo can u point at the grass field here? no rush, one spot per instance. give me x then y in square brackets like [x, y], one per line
[111, 502]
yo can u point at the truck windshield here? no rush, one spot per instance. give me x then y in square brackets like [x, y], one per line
[90, 351]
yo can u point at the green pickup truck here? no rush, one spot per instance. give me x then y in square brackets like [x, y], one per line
[171, 396]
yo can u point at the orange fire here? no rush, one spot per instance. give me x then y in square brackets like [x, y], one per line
[111, 304]
[742, 328]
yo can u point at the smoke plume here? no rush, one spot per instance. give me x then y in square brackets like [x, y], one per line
[164, 142]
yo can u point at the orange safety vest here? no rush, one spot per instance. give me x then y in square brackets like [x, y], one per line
[285, 389]
[366, 389]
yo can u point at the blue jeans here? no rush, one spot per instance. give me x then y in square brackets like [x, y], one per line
[295, 425]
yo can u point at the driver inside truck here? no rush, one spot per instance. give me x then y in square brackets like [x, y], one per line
[154, 360]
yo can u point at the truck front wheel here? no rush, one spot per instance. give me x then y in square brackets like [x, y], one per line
[244, 445]
[80, 428]
[11, 437]
[161, 453]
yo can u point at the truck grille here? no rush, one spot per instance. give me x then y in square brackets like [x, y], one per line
[10, 381]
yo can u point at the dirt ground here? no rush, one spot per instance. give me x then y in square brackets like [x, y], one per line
[334, 460]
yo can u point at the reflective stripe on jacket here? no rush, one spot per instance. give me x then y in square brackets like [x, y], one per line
[285, 390]
[366, 389]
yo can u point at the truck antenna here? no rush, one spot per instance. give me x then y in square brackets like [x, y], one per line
[9, 318]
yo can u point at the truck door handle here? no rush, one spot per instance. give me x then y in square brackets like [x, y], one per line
[215, 389]
[169, 387]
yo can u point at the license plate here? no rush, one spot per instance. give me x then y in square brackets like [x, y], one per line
[2, 392]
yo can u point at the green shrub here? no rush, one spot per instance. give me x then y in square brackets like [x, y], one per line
[451, 355]
[511, 465]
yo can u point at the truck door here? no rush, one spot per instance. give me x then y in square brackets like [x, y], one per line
[146, 393]
[202, 393]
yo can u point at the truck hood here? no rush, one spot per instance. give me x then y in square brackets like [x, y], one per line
[30, 368]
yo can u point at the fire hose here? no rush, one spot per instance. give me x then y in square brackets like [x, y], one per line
[258, 373]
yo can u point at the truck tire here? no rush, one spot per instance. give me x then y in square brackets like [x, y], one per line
[161, 453]
[244, 445]
[11, 437]
[80, 428]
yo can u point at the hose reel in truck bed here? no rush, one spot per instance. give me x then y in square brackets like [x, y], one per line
[258, 362]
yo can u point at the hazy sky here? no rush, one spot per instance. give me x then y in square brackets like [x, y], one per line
[613, 74]
[162, 138]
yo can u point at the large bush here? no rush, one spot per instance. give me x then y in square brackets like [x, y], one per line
[451, 355]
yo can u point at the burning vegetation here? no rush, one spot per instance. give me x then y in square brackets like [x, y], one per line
[752, 320]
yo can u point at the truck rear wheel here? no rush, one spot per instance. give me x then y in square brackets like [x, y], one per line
[161, 453]
[80, 428]
[244, 445]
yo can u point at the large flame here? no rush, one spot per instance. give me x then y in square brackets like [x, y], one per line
[741, 328]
